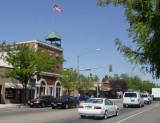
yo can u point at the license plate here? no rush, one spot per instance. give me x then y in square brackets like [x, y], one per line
[132, 100]
[55, 104]
[31, 103]
[88, 107]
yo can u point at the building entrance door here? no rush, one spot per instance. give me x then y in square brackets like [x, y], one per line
[58, 90]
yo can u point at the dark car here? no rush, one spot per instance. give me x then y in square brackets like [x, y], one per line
[65, 102]
[42, 101]
[83, 97]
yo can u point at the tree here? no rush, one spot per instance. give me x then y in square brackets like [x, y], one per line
[143, 17]
[105, 78]
[86, 83]
[69, 78]
[135, 82]
[119, 85]
[26, 62]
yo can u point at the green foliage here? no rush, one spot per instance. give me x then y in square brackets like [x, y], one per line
[86, 83]
[71, 81]
[135, 82]
[26, 62]
[105, 78]
[143, 17]
[69, 78]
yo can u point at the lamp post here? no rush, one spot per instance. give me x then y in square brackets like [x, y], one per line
[78, 65]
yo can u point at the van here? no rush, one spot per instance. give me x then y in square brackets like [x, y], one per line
[132, 99]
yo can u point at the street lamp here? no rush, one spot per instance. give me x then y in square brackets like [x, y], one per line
[78, 64]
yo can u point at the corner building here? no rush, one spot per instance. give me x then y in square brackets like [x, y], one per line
[11, 91]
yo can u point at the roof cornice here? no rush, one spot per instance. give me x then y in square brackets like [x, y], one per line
[43, 43]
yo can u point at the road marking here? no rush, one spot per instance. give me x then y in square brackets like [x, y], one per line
[59, 118]
[137, 114]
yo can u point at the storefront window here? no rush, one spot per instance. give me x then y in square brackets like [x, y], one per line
[50, 91]
[10, 93]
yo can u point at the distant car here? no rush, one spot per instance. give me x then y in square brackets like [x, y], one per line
[65, 102]
[42, 101]
[98, 107]
[133, 99]
[147, 98]
[83, 97]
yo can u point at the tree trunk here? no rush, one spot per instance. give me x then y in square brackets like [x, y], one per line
[25, 93]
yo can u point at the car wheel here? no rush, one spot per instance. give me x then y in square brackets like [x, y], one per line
[117, 112]
[140, 105]
[105, 115]
[31, 106]
[82, 116]
[66, 106]
[124, 106]
[53, 107]
[43, 105]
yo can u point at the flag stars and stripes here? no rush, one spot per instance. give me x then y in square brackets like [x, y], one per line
[57, 8]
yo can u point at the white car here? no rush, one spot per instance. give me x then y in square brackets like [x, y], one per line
[147, 98]
[98, 107]
[132, 99]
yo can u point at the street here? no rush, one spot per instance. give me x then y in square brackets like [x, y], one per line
[147, 114]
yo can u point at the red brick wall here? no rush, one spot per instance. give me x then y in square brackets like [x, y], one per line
[54, 52]
[50, 80]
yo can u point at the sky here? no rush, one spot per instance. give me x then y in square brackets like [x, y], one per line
[83, 28]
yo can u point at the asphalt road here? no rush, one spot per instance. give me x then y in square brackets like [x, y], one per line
[147, 114]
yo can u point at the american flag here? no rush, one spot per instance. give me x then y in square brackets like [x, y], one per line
[57, 8]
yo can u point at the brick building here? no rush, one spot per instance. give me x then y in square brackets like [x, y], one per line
[11, 91]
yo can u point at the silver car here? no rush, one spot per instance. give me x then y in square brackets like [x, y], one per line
[147, 98]
[98, 107]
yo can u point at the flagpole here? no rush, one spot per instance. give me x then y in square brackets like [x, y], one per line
[53, 12]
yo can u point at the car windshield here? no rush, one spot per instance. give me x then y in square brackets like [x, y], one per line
[144, 96]
[98, 101]
[130, 95]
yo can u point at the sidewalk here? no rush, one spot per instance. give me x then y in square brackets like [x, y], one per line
[12, 106]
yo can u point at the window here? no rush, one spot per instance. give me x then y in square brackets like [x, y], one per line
[110, 103]
[10, 93]
[106, 102]
[50, 90]
[130, 95]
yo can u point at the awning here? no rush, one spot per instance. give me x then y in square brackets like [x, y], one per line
[16, 86]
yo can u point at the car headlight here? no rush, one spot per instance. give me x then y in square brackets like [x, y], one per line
[28, 101]
[37, 101]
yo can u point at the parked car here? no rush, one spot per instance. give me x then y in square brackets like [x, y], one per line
[83, 97]
[133, 99]
[98, 107]
[147, 98]
[65, 102]
[42, 101]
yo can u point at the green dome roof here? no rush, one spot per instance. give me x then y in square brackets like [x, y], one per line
[52, 36]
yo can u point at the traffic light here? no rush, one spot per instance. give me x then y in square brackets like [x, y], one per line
[110, 67]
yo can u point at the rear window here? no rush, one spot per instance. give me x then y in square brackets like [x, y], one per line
[144, 95]
[98, 101]
[130, 95]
